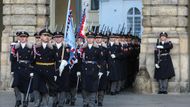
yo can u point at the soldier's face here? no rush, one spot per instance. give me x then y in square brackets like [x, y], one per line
[128, 40]
[112, 40]
[58, 39]
[37, 39]
[23, 39]
[163, 38]
[45, 38]
[90, 40]
[98, 40]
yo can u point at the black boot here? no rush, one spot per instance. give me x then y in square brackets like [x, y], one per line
[100, 104]
[67, 101]
[165, 92]
[72, 103]
[54, 105]
[113, 93]
[159, 92]
[85, 105]
[31, 99]
[18, 103]
[25, 103]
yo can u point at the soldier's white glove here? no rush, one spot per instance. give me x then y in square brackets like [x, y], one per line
[108, 73]
[78, 74]
[113, 56]
[62, 66]
[76, 61]
[31, 74]
[12, 73]
[159, 47]
[157, 66]
[100, 74]
[55, 78]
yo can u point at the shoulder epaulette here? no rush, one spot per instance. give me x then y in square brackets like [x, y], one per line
[50, 45]
[37, 45]
[17, 45]
[29, 45]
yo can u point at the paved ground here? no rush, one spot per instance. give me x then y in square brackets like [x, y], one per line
[122, 100]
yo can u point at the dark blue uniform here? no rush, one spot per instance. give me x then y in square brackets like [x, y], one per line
[103, 68]
[166, 70]
[23, 58]
[90, 69]
[63, 81]
[113, 64]
[44, 68]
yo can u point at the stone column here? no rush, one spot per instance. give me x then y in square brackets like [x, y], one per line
[19, 15]
[166, 16]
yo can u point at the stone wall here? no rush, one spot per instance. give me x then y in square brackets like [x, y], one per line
[170, 16]
[28, 15]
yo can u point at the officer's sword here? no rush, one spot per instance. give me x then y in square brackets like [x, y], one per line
[28, 90]
[97, 91]
[12, 79]
[78, 78]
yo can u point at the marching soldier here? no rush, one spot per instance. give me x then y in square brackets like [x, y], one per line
[37, 41]
[23, 56]
[37, 38]
[164, 69]
[123, 62]
[103, 68]
[63, 77]
[76, 72]
[45, 58]
[13, 70]
[114, 51]
[90, 72]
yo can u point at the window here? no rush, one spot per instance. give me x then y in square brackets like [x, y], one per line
[134, 21]
[94, 4]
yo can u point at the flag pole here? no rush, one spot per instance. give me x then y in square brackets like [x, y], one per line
[66, 28]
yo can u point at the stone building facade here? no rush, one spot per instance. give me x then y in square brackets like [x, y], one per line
[170, 16]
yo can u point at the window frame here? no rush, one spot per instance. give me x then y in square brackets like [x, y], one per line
[133, 16]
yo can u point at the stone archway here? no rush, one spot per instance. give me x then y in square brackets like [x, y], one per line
[169, 16]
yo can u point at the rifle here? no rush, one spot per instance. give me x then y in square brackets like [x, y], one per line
[46, 25]
[158, 52]
[129, 32]
[101, 31]
[122, 29]
[118, 29]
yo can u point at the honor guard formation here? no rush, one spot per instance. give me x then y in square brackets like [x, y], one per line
[101, 64]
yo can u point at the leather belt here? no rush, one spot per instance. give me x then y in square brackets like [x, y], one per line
[24, 61]
[90, 62]
[164, 54]
[45, 64]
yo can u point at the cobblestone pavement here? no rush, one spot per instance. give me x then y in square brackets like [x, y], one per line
[122, 100]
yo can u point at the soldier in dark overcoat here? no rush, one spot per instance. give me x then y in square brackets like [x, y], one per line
[114, 51]
[44, 69]
[23, 57]
[103, 68]
[164, 69]
[63, 77]
[90, 72]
